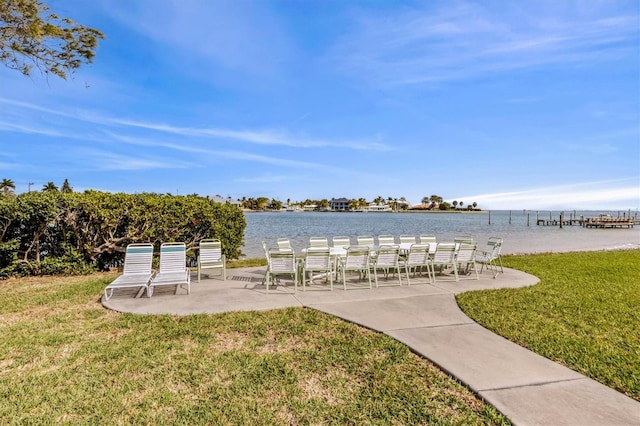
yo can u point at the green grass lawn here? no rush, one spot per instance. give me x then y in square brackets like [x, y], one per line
[66, 359]
[584, 314]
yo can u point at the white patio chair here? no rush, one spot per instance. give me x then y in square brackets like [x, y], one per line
[356, 260]
[386, 240]
[466, 259]
[407, 239]
[417, 259]
[491, 256]
[427, 239]
[463, 239]
[137, 270]
[444, 257]
[284, 244]
[281, 262]
[366, 240]
[317, 259]
[210, 256]
[318, 242]
[387, 259]
[173, 268]
[341, 242]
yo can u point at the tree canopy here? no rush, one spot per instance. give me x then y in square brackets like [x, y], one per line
[32, 36]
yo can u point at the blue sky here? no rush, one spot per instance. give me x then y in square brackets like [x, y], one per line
[511, 104]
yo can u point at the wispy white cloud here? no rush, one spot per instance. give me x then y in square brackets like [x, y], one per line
[622, 193]
[103, 160]
[259, 137]
[422, 45]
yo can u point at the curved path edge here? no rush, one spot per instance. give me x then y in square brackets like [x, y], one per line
[528, 388]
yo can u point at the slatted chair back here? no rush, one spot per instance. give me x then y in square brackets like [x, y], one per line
[407, 239]
[210, 256]
[445, 253]
[341, 242]
[444, 256]
[427, 239]
[387, 257]
[284, 244]
[418, 255]
[318, 242]
[138, 259]
[365, 240]
[386, 240]
[466, 252]
[357, 258]
[416, 259]
[317, 259]
[173, 257]
[281, 261]
[210, 251]
[463, 239]
[466, 258]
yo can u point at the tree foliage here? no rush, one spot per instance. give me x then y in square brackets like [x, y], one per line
[92, 229]
[32, 36]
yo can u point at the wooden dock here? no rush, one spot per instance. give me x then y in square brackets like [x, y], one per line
[608, 222]
[590, 222]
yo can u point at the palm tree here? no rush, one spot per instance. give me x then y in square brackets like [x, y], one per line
[425, 200]
[474, 204]
[8, 186]
[455, 204]
[66, 188]
[50, 187]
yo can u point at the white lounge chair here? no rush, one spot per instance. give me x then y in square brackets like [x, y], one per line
[137, 270]
[210, 256]
[173, 268]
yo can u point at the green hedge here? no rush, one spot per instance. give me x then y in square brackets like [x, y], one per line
[51, 232]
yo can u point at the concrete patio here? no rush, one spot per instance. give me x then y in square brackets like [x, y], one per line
[527, 388]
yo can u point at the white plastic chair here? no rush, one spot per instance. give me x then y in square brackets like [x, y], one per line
[317, 259]
[319, 242]
[491, 256]
[417, 258]
[210, 256]
[173, 268]
[466, 259]
[407, 239]
[444, 257]
[137, 270]
[387, 259]
[356, 260]
[281, 262]
[386, 240]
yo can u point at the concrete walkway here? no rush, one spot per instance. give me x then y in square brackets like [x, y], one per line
[527, 388]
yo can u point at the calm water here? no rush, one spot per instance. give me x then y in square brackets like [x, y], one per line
[518, 237]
